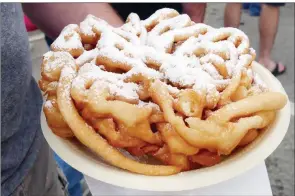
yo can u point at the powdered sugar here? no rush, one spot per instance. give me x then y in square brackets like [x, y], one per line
[170, 24]
[145, 71]
[137, 44]
[127, 90]
[243, 62]
[87, 57]
[118, 57]
[127, 36]
[54, 60]
[250, 73]
[69, 38]
[211, 70]
[87, 25]
[132, 24]
[257, 81]
[161, 14]
[172, 90]
[48, 104]
[211, 58]
[116, 85]
[148, 104]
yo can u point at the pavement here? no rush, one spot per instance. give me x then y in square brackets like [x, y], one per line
[280, 164]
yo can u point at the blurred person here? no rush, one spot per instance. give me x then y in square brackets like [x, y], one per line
[29, 25]
[196, 11]
[255, 9]
[72, 176]
[268, 25]
[27, 165]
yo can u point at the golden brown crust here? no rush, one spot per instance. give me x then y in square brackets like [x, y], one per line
[165, 87]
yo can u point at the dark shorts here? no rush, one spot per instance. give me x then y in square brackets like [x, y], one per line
[276, 4]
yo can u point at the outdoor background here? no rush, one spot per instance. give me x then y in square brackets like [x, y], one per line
[280, 164]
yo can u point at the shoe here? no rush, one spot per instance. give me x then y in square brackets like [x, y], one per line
[276, 71]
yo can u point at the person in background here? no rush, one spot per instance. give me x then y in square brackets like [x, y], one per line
[73, 177]
[254, 8]
[196, 11]
[268, 26]
[27, 163]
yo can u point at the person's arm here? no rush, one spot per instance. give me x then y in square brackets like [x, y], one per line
[196, 11]
[51, 18]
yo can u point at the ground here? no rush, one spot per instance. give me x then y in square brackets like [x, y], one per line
[280, 164]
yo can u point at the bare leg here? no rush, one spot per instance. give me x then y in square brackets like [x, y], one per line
[268, 26]
[196, 11]
[232, 15]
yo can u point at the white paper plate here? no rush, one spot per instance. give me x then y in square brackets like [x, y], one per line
[89, 164]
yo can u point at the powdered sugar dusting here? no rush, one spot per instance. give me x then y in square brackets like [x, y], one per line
[54, 60]
[48, 104]
[137, 44]
[148, 104]
[127, 90]
[257, 81]
[161, 14]
[172, 90]
[211, 70]
[87, 25]
[87, 57]
[69, 38]
[132, 24]
[117, 87]
[145, 71]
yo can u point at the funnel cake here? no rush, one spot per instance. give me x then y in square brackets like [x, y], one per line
[163, 87]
